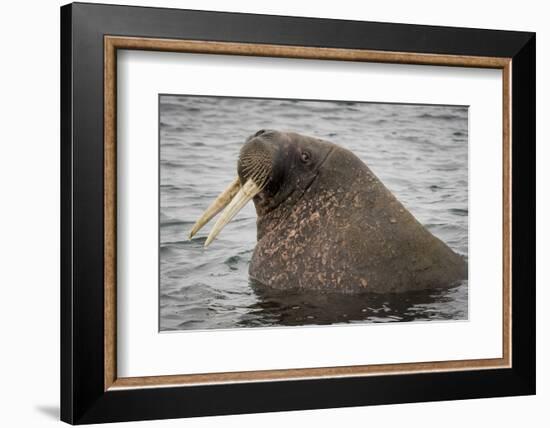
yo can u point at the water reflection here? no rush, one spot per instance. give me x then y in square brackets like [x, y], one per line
[297, 308]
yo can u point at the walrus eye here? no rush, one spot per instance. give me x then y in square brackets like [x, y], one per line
[305, 157]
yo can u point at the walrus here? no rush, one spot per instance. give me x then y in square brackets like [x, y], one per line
[326, 222]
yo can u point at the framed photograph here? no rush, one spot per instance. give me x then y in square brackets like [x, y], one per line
[266, 213]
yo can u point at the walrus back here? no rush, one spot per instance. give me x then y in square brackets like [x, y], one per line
[349, 233]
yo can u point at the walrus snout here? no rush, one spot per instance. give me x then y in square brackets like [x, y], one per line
[256, 160]
[254, 170]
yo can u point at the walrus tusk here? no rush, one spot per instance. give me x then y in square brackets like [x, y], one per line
[245, 194]
[215, 207]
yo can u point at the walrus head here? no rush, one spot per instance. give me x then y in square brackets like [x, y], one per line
[273, 168]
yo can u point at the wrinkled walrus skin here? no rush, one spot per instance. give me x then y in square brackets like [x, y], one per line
[339, 228]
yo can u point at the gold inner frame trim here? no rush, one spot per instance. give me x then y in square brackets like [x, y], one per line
[113, 43]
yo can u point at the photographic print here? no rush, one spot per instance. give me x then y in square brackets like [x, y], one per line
[284, 212]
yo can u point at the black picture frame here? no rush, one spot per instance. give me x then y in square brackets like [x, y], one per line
[83, 398]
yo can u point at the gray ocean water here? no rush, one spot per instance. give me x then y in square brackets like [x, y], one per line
[420, 153]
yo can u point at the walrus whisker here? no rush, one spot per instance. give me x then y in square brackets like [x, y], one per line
[219, 204]
[249, 169]
[259, 174]
[260, 177]
[243, 196]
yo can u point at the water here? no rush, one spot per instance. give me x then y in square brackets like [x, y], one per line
[419, 152]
